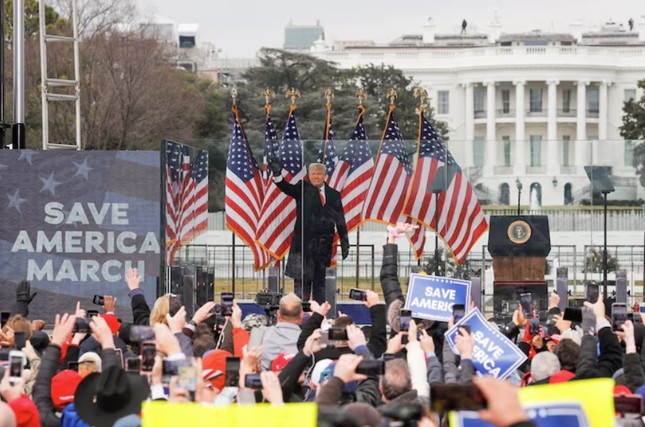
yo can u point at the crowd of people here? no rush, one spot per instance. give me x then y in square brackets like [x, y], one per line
[99, 371]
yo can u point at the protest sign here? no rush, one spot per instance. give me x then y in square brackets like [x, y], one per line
[432, 297]
[159, 413]
[493, 354]
[587, 403]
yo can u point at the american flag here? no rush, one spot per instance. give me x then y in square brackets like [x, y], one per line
[388, 188]
[270, 147]
[461, 221]
[244, 192]
[278, 215]
[177, 171]
[327, 151]
[352, 174]
[194, 220]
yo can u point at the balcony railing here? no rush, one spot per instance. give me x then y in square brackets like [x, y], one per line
[536, 113]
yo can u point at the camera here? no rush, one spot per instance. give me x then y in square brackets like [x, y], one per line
[252, 381]
[371, 368]
[357, 294]
[232, 372]
[148, 353]
[98, 300]
[81, 325]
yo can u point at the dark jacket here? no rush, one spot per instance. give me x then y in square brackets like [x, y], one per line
[313, 221]
[42, 391]
[609, 361]
[390, 275]
[140, 308]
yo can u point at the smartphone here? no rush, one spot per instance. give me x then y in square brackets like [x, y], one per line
[139, 333]
[534, 326]
[227, 303]
[526, 301]
[132, 364]
[4, 317]
[458, 311]
[592, 292]
[306, 307]
[187, 380]
[406, 316]
[371, 368]
[171, 368]
[98, 300]
[73, 366]
[252, 381]
[174, 304]
[217, 310]
[81, 325]
[16, 363]
[119, 353]
[232, 372]
[357, 294]
[618, 315]
[456, 397]
[573, 314]
[19, 340]
[148, 353]
[624, 404]
[337, 334]
[92, 313]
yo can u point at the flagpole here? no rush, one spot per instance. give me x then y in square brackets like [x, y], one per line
[329, 94]
[161, 284]
[234, 98]
[361, 94]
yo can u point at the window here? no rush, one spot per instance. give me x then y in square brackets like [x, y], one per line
[507, 150]
[506, 101]
[566, 100]
[629, 152]
[536, 150]
[479, 98]
[630, 94]
[478, 151]
[566, 147]
[592, 100]
[535, 95]
[504, 194]
[443, 102]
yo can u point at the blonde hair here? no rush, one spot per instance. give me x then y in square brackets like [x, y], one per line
[160, 309]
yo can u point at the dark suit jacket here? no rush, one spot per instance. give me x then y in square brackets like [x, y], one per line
[315, 223]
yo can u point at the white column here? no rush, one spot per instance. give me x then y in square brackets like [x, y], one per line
[602, 111]
[491, 142]
[520, 137]
[582, 145]
[470, 125]
[552, 155]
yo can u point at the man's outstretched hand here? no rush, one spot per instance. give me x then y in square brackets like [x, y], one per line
[275, 165]
[23, 292]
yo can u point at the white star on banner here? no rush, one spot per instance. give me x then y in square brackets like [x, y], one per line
[82, 169]
[26, 155]
[50, 184]
[15, 201]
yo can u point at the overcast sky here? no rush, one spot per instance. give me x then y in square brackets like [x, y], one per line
[241, 27]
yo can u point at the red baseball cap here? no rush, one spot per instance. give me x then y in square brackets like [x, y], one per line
[63, 387]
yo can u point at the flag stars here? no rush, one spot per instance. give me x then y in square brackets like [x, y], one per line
[82, 169]
[27, 156]
[15, 201]
[50, 184]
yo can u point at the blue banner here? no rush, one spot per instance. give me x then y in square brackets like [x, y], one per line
[432, 297]
[544, 414]
[494, 354]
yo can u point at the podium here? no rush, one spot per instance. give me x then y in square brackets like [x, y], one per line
[519, 245]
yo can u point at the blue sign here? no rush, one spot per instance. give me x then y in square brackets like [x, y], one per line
[494, 354]
[432, 297]
[543, 414]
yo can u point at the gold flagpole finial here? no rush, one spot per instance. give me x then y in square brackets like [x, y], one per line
[392, 95]
[234, 96]
[361, 94]
[422, 94]
[292, 93]
[329, 95]
[268, 94]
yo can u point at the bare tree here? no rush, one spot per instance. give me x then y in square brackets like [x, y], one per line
[96, 17]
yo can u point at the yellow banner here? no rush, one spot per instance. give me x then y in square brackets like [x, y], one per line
[157, 413]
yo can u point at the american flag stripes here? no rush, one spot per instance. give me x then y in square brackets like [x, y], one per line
[244, 192]
[388, 188]
[186, 196]
[327, 152]
[270, 147]
[278, 215]
[352, 174]
[460, 218]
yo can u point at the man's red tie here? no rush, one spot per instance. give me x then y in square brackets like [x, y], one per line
[322, 198]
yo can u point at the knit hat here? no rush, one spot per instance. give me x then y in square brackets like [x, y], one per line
[543, 365]
[113, 322]
[214, 367]
[63, 387]
[254, 320]
[281, 361]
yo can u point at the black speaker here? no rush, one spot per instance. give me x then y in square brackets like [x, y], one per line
[330, 289]
[621, 286]
[476, 291]
[562, 287]
[273, 279]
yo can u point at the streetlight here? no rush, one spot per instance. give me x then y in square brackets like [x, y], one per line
[601, 183]
[518, 184]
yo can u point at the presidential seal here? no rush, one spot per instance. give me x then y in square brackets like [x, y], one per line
[519, 232]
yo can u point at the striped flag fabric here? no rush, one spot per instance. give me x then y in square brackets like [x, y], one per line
[352, 174]
[194, 220]
[387, 190]
[270, 147]
[278, 215]
[244, 192]
[460, 219]
[177, 169]
[327, 152]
